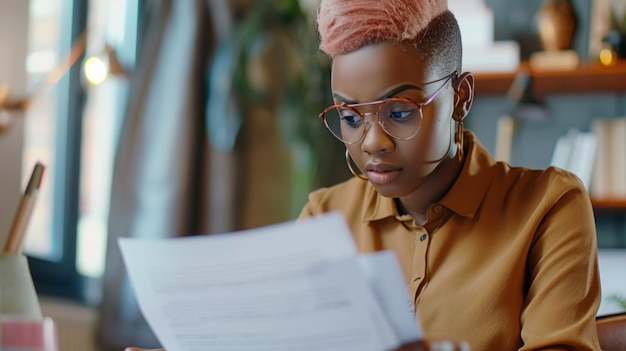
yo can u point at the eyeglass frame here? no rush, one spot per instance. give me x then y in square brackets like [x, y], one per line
[380, 103]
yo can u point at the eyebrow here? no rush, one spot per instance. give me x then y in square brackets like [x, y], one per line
[393, 92]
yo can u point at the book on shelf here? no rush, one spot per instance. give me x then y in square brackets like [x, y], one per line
[576, 152]
[609, 174]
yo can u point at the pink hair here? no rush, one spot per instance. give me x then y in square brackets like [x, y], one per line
[346, 25]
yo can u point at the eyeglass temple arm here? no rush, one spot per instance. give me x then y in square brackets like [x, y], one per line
[432, 97]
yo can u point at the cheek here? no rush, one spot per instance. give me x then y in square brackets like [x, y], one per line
[434, 137]
[437, 118]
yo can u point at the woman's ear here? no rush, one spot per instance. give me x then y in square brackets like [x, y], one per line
[463, 95]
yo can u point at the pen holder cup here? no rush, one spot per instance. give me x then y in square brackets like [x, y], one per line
[17, 293]
[28, 334]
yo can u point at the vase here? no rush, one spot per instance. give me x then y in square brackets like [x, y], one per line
[556, 22]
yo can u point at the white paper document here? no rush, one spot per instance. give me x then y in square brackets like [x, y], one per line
[291, 286]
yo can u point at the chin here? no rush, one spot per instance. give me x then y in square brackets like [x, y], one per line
[390, 190]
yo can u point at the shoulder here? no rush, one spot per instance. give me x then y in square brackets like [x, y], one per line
[350, 196]
[483, 171]
[489, 186]
[541, 197]
[552, 181]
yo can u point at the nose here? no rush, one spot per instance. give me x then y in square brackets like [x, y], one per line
[376, 140]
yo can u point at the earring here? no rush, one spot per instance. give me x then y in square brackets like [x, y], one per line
[458, 139]
[458, 135]
[351, 167]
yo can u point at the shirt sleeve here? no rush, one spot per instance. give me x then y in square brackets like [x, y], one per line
[312, 207]
[563, 281]
[306, 211]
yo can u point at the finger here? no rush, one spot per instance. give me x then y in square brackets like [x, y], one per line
[447, 345]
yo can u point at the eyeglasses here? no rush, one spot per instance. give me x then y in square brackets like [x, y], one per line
[399, 117]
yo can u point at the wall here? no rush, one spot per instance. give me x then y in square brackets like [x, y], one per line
[13, 48]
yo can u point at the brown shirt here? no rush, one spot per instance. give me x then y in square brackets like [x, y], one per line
[506, 260]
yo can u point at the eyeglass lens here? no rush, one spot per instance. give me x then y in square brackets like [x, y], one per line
[399, 118]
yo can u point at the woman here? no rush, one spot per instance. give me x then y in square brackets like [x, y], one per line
[502, 257]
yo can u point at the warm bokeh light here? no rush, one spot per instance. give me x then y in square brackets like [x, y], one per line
[96, 70]
[607, 57]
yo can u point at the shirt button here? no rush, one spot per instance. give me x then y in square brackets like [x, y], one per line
[423, 237]
[438, 209]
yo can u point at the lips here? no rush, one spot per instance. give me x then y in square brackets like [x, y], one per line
[382, 173]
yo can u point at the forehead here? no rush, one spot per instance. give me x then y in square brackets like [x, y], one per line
[367, 73]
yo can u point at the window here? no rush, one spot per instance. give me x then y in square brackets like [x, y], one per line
[72, 128]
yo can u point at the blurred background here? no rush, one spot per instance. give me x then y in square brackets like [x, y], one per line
[160, 118]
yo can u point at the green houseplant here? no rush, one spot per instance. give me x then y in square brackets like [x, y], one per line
[276, 69]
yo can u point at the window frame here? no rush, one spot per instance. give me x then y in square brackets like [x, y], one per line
[61, 278]
[58, 276]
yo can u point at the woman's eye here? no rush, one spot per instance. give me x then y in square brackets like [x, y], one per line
[350, 118]
[399, 111]
[403, 113]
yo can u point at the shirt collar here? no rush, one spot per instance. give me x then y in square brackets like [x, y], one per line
[470, 188]
[379, 206]
[465, 195]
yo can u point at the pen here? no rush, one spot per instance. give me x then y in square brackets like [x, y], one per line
[24, 211]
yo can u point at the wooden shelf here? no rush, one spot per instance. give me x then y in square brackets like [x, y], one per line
[608, 203]
[588, 77]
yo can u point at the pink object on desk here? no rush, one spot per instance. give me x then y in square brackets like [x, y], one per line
[22, 334]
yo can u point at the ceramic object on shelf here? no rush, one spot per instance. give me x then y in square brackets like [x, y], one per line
[556, 24]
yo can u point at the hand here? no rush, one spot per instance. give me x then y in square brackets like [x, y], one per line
[435, 345]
